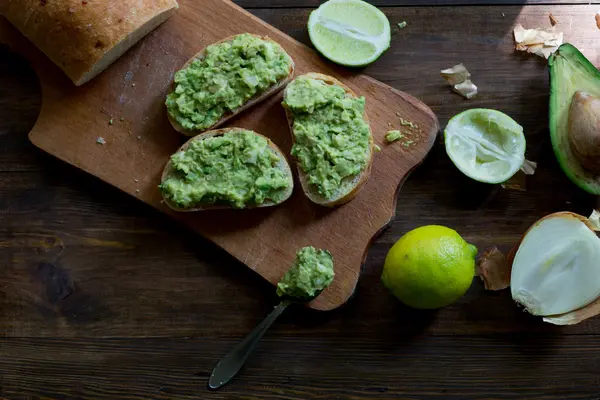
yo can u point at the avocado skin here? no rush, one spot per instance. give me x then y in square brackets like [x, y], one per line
[570, 71]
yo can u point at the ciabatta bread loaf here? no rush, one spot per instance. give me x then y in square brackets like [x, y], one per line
[84, 37]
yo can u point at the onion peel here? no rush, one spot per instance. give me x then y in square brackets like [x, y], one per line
[593, 222]
[541, 42]
[494, 270]
[577, 316]
[518, 181]
[459, 78]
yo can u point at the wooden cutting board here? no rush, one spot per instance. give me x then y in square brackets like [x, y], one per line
[125, 106]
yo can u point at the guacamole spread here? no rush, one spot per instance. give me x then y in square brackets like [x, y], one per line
[236, 169]
[332, 138]
[394, 135]
[311, 272]
[225, 78]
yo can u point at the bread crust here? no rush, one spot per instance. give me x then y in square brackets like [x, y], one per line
[85, 37]
[251, 102]
[283, 165]
[309, 190]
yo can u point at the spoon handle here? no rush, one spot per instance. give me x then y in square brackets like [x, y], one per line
[229, 365]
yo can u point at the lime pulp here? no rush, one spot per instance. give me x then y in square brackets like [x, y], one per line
[486, 145]
[349, 32]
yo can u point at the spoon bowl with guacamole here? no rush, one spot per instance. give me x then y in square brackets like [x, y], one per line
[311, 272]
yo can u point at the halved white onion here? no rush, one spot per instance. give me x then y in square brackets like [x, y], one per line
[556, 268]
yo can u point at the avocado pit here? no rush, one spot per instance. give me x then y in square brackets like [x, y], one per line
[584, 130]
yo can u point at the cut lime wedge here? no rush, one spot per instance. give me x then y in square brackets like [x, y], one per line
[349, 32]
[486, 145]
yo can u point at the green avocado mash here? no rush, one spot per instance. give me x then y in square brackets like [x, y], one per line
[311, 272]
[332, 138]
[237, 169]
[228, 75]
[394, 135]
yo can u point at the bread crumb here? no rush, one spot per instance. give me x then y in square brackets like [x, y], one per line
[553, 20]
[597, 20]
[402, 24]
[136, 180]
[133, 85]
[100, 140]
[137, 190]
[404, 122]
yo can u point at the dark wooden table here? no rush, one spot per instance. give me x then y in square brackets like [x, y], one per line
[104, 298]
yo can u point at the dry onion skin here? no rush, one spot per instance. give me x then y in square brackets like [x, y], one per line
[554, 270]
[494, 270]
[518, 181]
[458, 78]
[541, 42]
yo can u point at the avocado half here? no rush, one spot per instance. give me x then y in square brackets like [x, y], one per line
[571, 72]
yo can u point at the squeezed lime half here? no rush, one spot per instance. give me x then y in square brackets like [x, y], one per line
[486, 145]
[349, 32]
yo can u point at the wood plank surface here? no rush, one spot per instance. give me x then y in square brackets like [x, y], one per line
[270, 4]
[152, 304]
[125, 106]
[389, 366]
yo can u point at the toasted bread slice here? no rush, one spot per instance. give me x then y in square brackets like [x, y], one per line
[350, 185]
[283, 166]
[252, 101]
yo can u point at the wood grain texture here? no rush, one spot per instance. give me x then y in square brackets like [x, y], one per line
[132, 120]
[134, 273]
[416, 367]
[270, 4]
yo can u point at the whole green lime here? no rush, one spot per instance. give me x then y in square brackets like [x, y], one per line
[429, 267]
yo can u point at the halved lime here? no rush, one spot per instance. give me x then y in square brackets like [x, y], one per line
[486, 145]
[349, 32]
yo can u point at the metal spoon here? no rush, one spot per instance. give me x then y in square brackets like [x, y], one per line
[233, 361]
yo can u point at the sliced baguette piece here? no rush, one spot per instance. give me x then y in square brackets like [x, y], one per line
[252, 101]
[350, 185]
[283, 166]
[85, 37]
